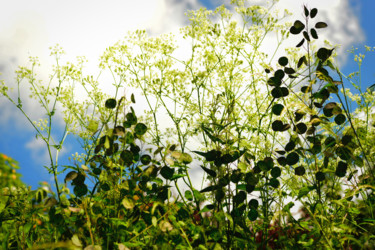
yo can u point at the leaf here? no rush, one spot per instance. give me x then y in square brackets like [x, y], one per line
[283, 61]
[314, 34]
[71, 176]
[140, 129]
[210, 155]
[189, 195]
[289, 71]
[301, 61]
[132, 98]
[76, 241]
[321, 25]
[128, 203]
[210, 172]
[299, 25]
[300, 43]
[167, 172]
[110, 103]
[288, 206]
[306, 11]
[323, 54]
[313, 12]
[165, 226]
[275, 172]
[292, 158]
[252, 215]
[299, 171]
[306, 36]
[210, 188]
[303, 192]
[277, 109]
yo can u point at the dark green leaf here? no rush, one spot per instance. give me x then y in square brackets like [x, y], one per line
[279, 74]
[323, 54]
[301, 128]
[292, 158]
[131, 118]
[275, 172]
[145, 159]
[290, 146]
[313, 12]
[283, 61]
[303, 192]
[320, 176]
[299, 25]
[289, 71]
[210, 172]
[132, 98]
[299, 170]
[320, 25]
[140, 129]
[277, 125]
[253, 204]
[80, 190]
[274, 183]
[300, 43]
[274, 81]
[167, 172]
[252, 215]
[340, 119]
[341, 169]
[210, 155]
[306, 11]
[306, 36]
[110, 103]
[127, 157]
[301, 61]
[277, 109]
[314, 34]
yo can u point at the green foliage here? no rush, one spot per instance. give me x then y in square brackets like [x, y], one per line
[125, 191]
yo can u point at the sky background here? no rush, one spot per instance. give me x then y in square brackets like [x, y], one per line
[86, 28]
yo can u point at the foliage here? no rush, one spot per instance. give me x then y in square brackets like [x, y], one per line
[267, 134]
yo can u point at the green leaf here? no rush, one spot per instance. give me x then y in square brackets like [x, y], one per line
[252, 215]
[300, 43]
[253, 204]
[80, 190]
[288, 206]
[167, 172]
[303, 192]
[210, 172]
[132, 98]
[210, 155]
[145, 159]
[189, 195]
[275, 172]
[314, 34]
[301, 61]
[299, 171]
[292, 158]
[283, 61]
[140, 129]
[313, 12]
[277, 109]
[128, 203]
[341, 169]
[306, 11]
[320, 176]
[110, 103]
[323, 54]
[321, 25]
[306, 36]
[71, 176]
[340, 119]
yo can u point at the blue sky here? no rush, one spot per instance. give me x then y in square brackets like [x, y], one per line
[29, 29]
